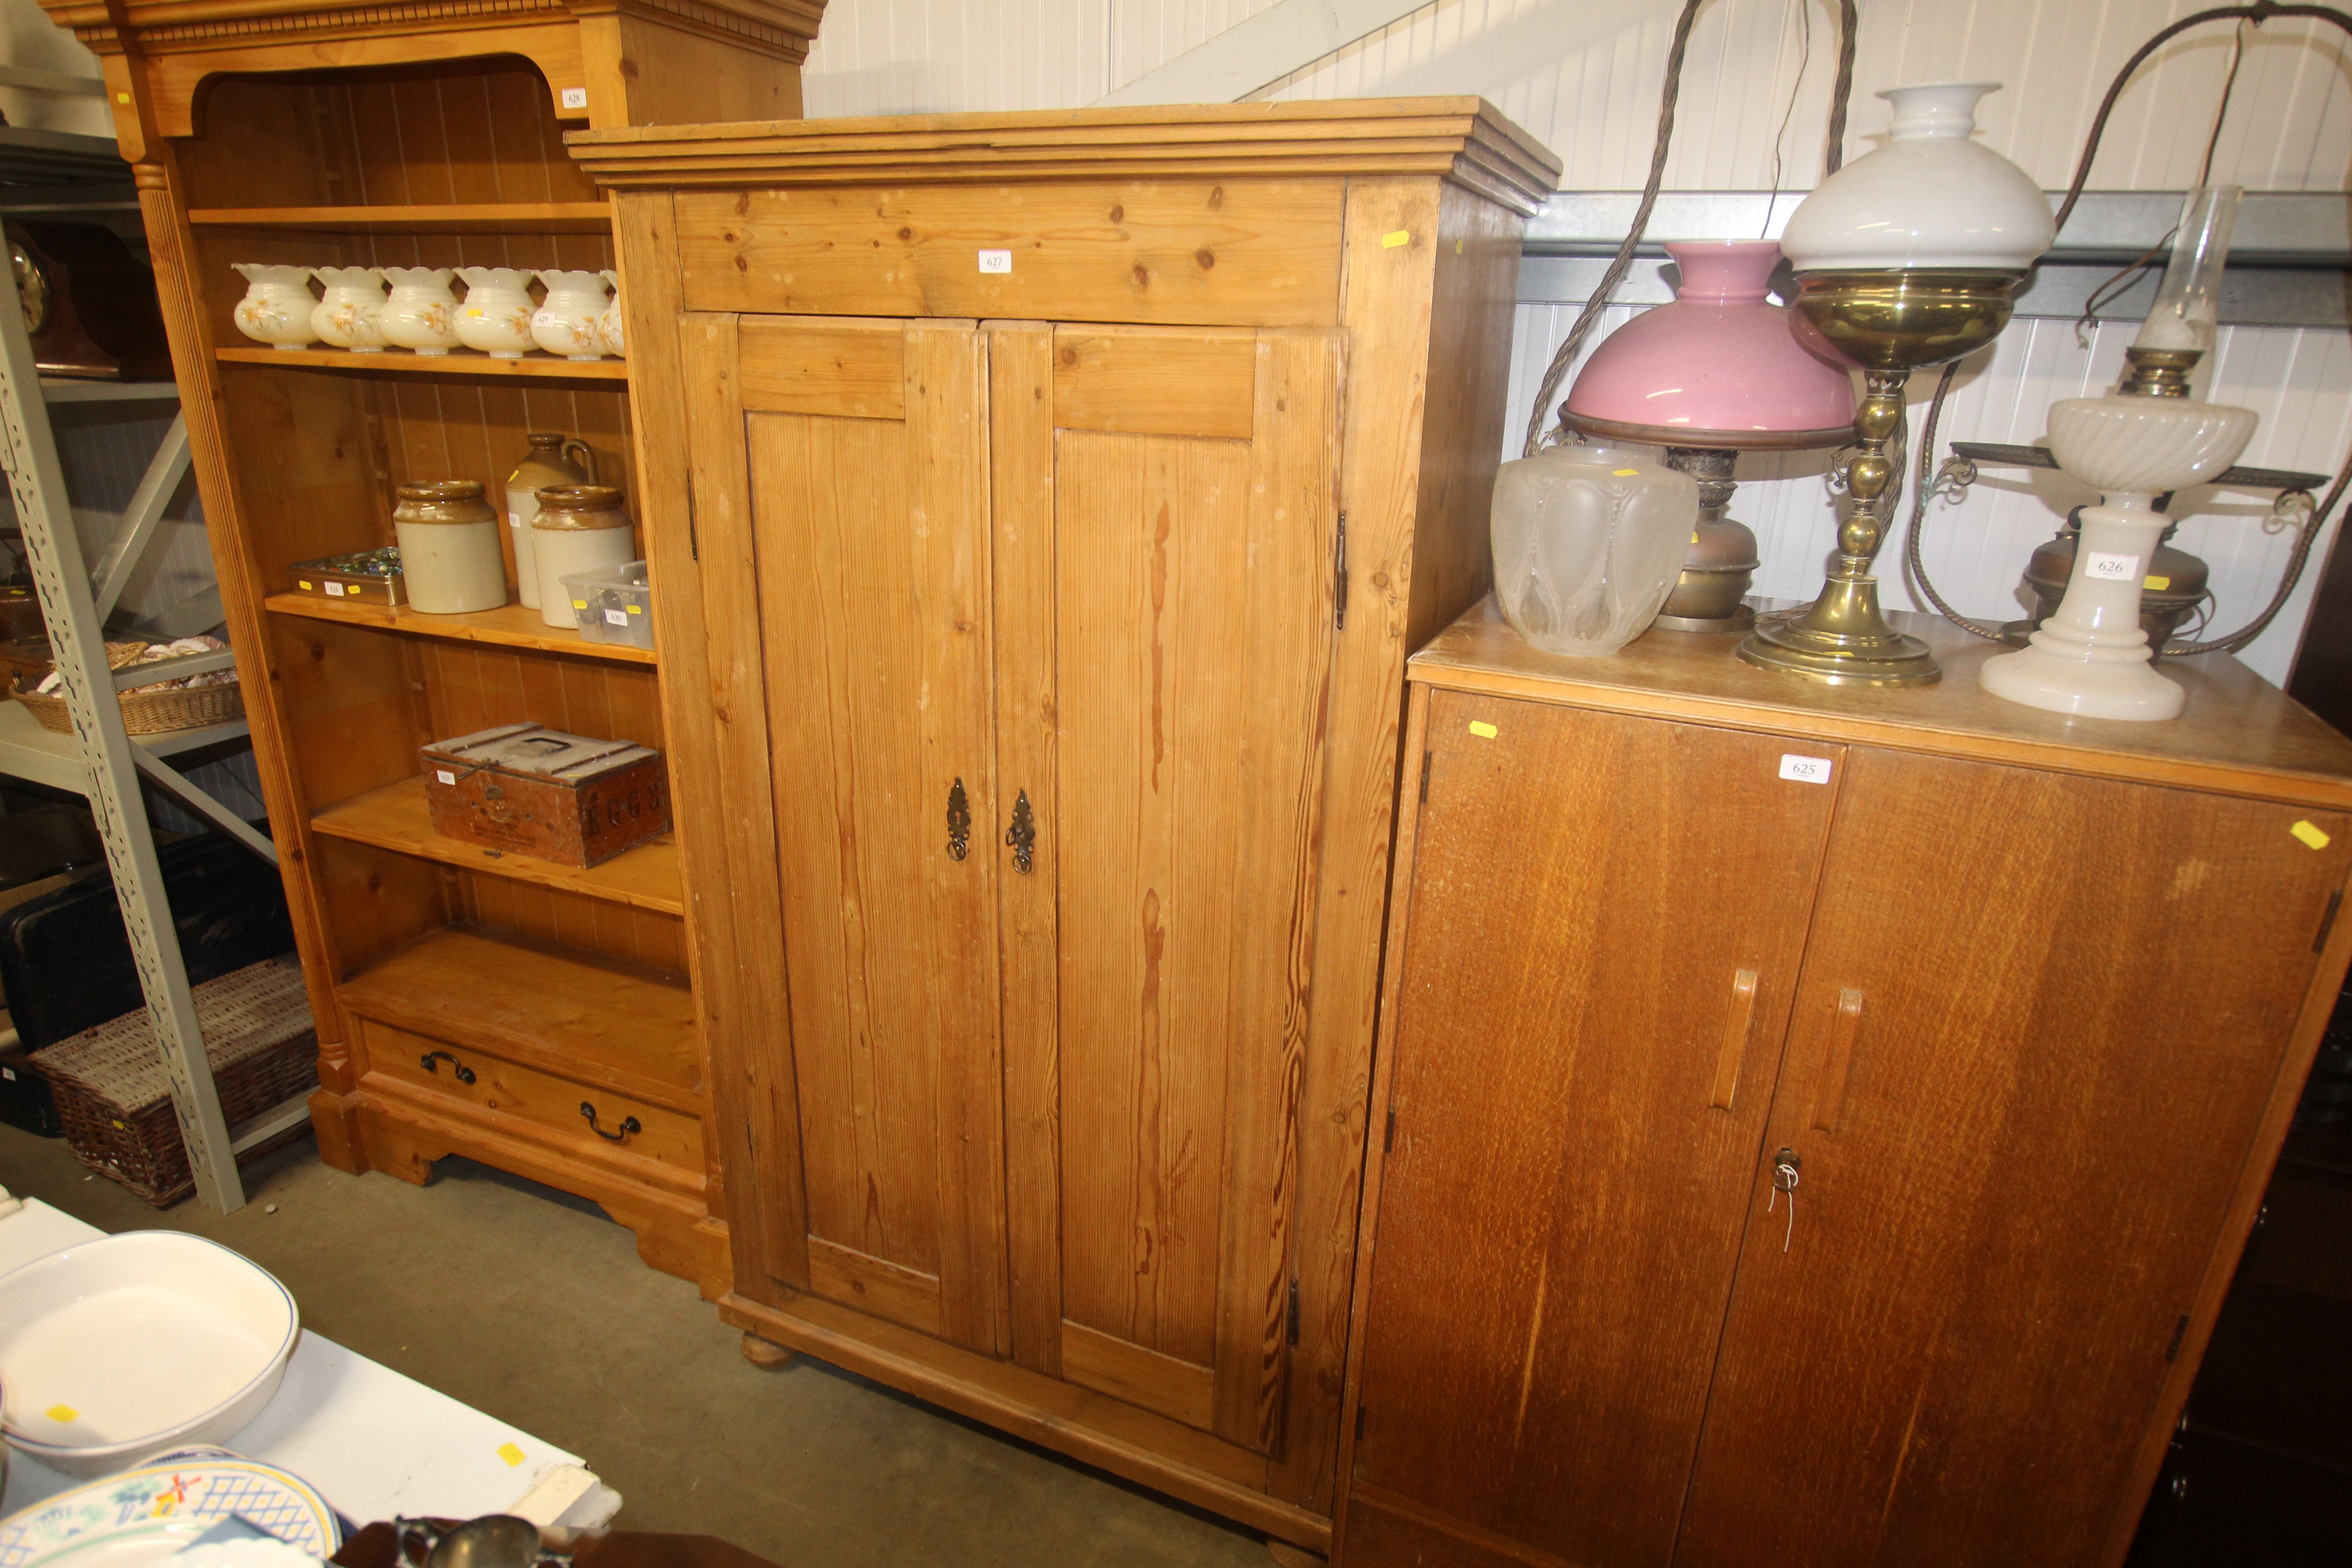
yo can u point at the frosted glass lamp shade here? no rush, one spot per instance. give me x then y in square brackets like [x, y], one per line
[1929, 198]
[1716, 368]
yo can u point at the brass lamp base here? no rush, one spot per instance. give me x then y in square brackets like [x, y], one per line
[1888, 323]
[1841, 640]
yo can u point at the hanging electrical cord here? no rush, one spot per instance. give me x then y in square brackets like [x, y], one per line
[1796, 89]
[1928, 478]
[1842, 91]
[1564, 355]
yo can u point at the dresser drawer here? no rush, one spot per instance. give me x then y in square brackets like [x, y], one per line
[439, 1068]
[1242, 252]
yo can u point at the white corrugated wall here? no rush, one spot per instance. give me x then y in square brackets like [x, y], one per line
[1584, 74]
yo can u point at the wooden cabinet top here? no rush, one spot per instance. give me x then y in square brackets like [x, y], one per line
[1464, 139]
[2239, 735]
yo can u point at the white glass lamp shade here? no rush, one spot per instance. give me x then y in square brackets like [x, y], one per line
[1929, 198]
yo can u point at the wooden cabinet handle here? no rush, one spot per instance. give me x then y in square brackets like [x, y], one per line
[1736, 1026]
[1829, 1104]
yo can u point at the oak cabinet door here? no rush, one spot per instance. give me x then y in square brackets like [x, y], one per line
[1164, 516]
[1606, 921]
[866, 449]
[2040, 1020]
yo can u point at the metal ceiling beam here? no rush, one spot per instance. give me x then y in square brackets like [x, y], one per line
[1284, 37]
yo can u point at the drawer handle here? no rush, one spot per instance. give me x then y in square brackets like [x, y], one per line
[458, 1070]
[628, 1124]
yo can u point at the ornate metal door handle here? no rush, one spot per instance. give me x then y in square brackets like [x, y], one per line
[628, 1124]
[1023, 835]
[959, 822]
[458, 1070]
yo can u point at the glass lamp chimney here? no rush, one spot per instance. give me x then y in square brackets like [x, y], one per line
[2186, 309]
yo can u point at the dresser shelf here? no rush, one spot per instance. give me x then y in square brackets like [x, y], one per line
[456, 362]
[396, 817]
[510, 626]
[588, 1018]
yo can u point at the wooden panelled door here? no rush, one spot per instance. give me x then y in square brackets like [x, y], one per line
[1606, 916]
[2040, 1019]
[866, 449]
[1046, 614]
[1165, 522]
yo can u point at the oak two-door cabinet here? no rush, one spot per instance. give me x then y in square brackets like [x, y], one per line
[1818, 1125]
[1046, 504]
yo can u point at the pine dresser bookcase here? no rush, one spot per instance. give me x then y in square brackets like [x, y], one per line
[467, 1003]
[1044, 505]
[2014, 1008]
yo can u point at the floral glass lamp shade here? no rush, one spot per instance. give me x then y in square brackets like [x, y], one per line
[1905, 257]
[2145, 438]
[1714, 374]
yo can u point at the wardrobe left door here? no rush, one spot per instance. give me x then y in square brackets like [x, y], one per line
[865, 452]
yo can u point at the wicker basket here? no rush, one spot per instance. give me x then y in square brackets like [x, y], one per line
[143, 712]
[115, 1098]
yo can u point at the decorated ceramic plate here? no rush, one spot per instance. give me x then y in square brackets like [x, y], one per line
[145, 1515]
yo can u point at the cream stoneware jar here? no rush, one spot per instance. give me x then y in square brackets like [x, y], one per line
[449, 552]
[579, 527]
[422, 314]
[351, 314]
[277, 306]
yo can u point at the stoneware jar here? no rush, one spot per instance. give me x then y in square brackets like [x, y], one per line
[277, 306]
[566, 323]
[609, 328]
[495, 316]
[449, 547]
[422, 313]
[351, 315]
[549, 463]
[579, 527]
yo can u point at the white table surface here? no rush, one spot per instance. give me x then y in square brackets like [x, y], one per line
[376, 1444]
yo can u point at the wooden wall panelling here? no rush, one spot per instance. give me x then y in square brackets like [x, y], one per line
[470, 132]
[2083, 1070]
[1099, 252]
[732, 863]
[1538, 1368]
[1022, 472]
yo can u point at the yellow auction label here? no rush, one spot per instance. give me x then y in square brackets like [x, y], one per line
[1395, 238]
[2312, 834]
[1483, 731]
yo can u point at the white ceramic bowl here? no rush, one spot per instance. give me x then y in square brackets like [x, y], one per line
[134, 1344]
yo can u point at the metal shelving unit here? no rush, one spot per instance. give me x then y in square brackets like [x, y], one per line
[100, 760]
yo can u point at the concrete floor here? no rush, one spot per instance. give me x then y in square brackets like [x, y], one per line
[532, 1305]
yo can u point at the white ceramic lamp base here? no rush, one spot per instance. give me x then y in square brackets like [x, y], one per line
[2091, 657]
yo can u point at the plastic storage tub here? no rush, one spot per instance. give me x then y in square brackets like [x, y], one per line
[613, 606]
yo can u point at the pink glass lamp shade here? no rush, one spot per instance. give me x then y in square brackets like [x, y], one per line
[1718, 368]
